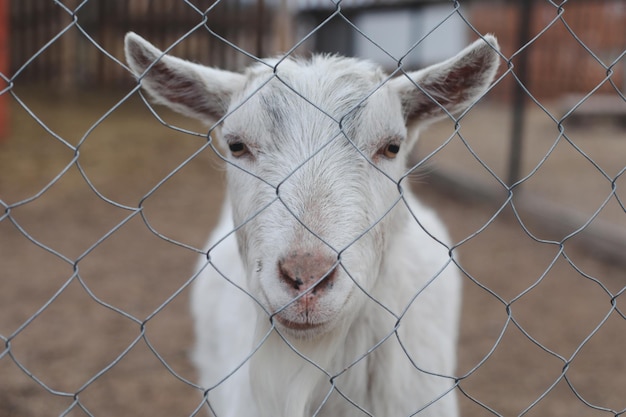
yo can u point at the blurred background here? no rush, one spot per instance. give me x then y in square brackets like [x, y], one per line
[107, 201]
[575, 40]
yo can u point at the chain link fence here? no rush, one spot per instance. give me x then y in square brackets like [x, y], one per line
[107, 200]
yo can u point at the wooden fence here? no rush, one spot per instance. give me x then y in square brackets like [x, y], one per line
[63, 47]
[67, 37]
[564, 58]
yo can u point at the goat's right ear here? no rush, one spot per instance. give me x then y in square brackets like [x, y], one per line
[191, 89]
[450, 86]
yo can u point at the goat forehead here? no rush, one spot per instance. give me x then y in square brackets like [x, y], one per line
[335, 85]
[319, 71]
[312, 100]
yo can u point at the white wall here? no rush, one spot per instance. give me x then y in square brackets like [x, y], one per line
[397, 31]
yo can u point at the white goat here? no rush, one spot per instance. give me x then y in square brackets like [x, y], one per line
[336, 296]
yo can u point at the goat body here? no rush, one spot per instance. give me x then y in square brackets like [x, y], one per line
[328, 288]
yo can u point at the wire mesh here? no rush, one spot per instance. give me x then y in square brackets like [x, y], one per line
[107, 202]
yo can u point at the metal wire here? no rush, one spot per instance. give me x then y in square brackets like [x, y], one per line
[343, 11]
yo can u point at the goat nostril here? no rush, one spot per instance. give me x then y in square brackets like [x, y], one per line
[287, 276]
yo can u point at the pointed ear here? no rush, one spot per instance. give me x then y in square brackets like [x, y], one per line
[188, 88]
[452, 85]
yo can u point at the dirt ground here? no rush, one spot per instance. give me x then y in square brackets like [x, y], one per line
[90, 260]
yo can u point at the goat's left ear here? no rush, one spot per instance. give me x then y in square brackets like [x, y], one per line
[452, 85]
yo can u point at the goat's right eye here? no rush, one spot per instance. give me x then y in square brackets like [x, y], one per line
[237, 149]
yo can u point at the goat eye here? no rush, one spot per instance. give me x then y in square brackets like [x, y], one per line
[390, 150]
[237, 149]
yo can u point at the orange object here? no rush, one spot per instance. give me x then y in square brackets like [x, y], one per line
[4, 68]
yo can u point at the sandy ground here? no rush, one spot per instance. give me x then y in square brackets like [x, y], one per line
[85, 308]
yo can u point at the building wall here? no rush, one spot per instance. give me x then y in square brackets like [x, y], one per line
[398, 32]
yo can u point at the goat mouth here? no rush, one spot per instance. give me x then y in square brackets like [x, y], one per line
[297, 325]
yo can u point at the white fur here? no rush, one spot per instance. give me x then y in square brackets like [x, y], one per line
[315, 194]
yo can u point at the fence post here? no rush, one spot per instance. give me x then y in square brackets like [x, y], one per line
[70, 55]
[4, 68]
[519, 95]
[260, 27]
[283, 27]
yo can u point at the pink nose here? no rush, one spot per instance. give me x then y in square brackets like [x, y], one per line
[303, 270]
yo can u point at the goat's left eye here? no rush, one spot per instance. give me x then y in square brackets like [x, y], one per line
[237, 148]
[390, 150]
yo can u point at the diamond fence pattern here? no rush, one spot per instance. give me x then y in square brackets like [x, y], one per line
[107, 202]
